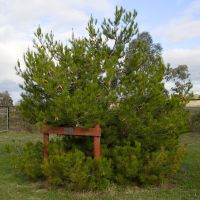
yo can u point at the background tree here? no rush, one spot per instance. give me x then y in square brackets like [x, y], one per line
[5, 99]
[179, 78]
[116, 77]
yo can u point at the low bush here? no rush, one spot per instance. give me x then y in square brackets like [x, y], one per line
[73, 170]
[161, 165]
[27, 160]
[126, 163]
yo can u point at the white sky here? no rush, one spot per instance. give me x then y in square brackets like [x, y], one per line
[174, 23]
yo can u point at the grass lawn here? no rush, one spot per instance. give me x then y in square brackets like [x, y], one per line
[185, 186]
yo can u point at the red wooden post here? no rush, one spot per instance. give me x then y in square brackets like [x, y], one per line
[96, 143]
[46, 142]
[97, 148]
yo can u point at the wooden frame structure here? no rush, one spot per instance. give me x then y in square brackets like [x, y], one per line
[91, 132]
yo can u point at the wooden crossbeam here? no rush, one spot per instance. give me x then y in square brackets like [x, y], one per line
[91, 132]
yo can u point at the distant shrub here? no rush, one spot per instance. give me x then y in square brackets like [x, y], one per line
[194, 120]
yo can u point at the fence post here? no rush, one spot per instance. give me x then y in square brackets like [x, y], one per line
[8, 120]
[97, 143]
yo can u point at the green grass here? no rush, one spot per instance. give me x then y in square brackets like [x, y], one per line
[185, 186]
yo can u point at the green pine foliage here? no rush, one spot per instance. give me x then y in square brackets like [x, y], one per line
[71, 170]
[74, 170]
[127, 162]
[161, 165]
[115, 76]
[27, 159]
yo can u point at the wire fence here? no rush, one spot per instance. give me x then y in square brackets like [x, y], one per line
[4, 119]
[11, 120]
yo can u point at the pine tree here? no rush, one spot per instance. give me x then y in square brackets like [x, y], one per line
[116, 77]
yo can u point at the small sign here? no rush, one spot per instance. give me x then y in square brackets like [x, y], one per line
[68, 131]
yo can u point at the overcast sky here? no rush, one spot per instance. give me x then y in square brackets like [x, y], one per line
[173, 23]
